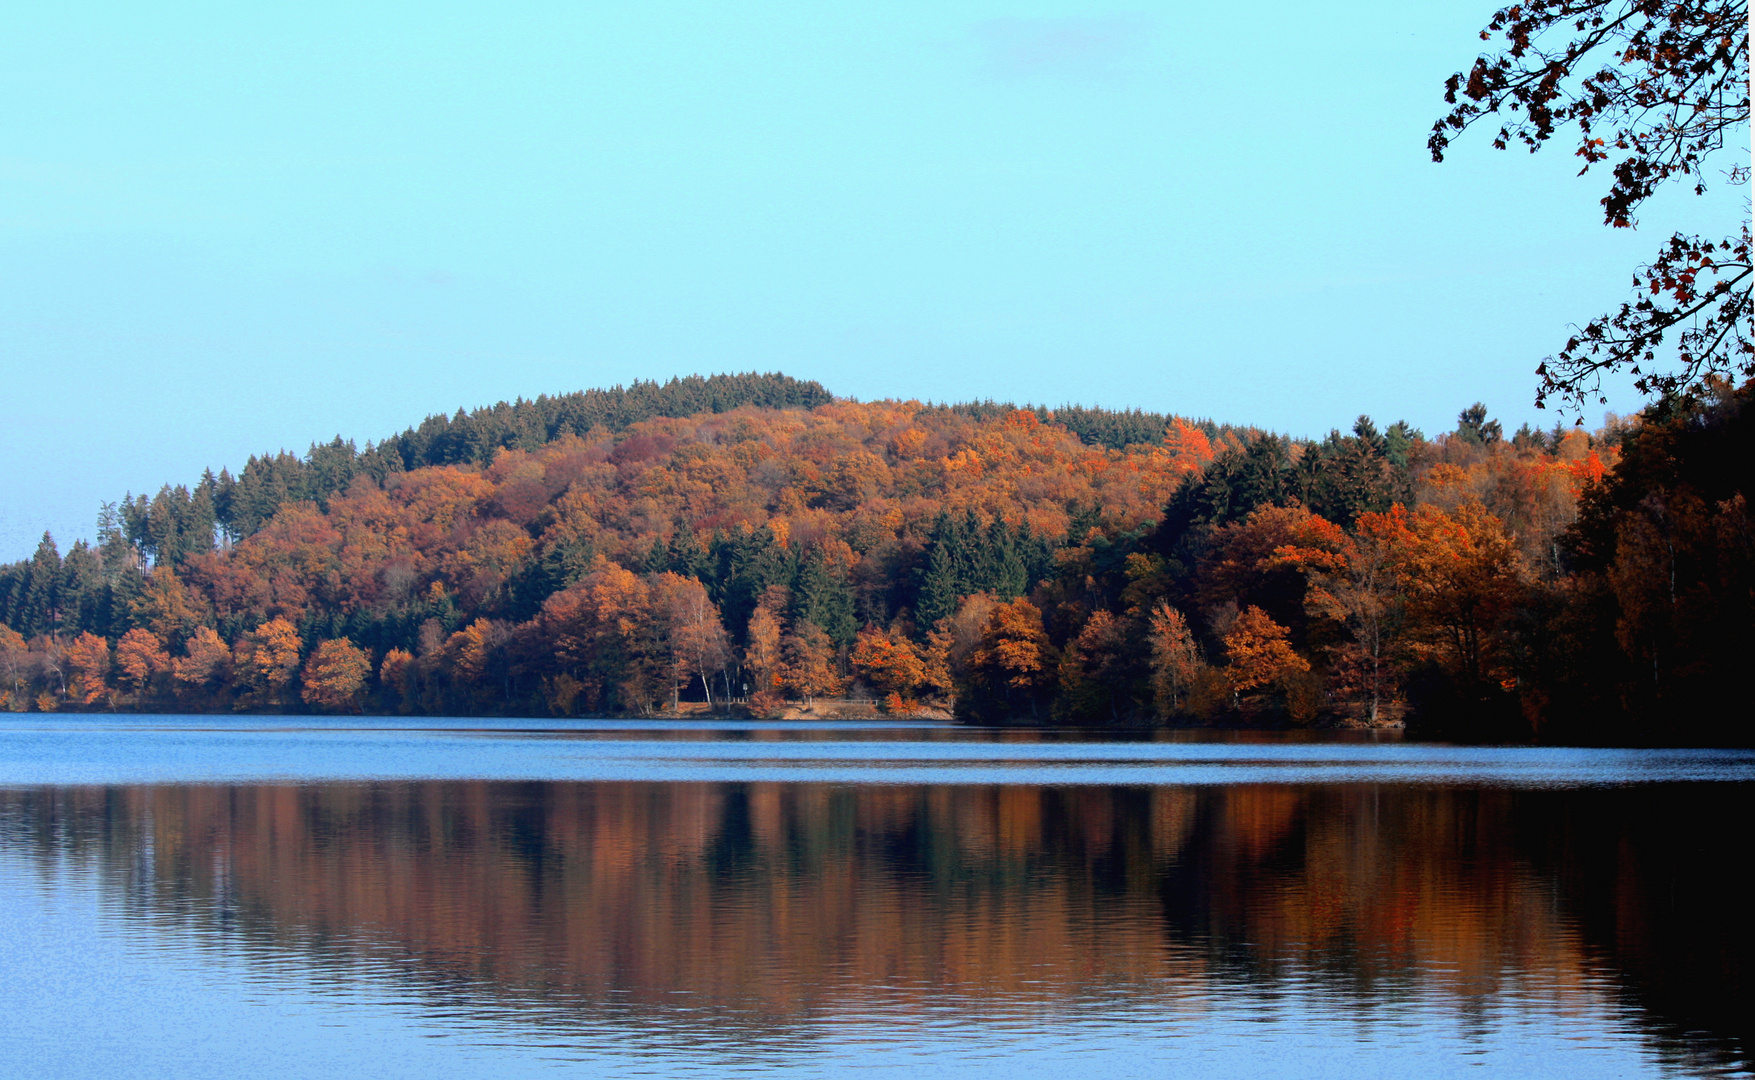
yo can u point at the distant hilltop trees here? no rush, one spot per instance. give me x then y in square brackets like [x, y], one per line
[232, 508]
[241, 506]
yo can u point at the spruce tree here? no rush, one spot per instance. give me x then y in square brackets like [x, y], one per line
[163, 536]
[743, 566]
[657, 559]
[942, 583]
[225, 493]
[823, 596]
[1007, 576]
[201, 517]
[84, 592]
[685, 555]
[39, 608]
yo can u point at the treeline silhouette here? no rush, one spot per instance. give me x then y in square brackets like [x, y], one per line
[1116, 429]
[595, 554]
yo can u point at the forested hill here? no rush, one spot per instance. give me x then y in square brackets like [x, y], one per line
[594, 555]
[179, 519]
[239, 507]
[525, 425]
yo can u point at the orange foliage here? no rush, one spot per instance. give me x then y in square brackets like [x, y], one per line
[165, 607]
[888, 661]
[1176, 659]
[88, 658]
[469, 649]
[1014, 650]
[762, 654]
[335, 676]
[690, 633]
[268, 656]
[397, 673]
[1259, 653]
[1462, 575]
[809, 670]
[587, 573]
[139, 657]
[14, 689]
[1188, 446]
[1271, 537]
[204, 660]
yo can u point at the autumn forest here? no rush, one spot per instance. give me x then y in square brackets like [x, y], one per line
[752, 544]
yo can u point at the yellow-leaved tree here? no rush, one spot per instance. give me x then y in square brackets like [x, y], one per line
[809, 669]
[1463, 579]
[1013, 663]
[397, 673]
[266, 660]
[335, 676]
[14, 674]
[1176, 659]
[140, 658]
[204, 663]
[690, 634]
[88, 664]
[1258, 654]
[889, 661]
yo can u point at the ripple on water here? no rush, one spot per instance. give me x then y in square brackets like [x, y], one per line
[504, 902]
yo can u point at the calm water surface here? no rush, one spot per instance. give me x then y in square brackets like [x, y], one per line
[191, 896]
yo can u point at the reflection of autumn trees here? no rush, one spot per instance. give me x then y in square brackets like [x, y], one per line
[794, 898]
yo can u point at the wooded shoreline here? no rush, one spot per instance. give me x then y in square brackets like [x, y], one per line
[751, 544]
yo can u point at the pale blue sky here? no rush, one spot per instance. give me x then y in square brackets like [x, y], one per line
[229, 228]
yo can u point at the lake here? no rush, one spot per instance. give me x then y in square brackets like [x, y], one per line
[292, 896]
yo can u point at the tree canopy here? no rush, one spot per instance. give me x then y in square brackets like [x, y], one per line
[1652, 89]
[981, 560]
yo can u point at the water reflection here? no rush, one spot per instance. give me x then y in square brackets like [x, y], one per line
[764, 905]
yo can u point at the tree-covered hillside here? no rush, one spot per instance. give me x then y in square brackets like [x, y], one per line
[596, 553]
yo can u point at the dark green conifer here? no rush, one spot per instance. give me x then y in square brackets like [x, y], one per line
[85, 595]
[823, 596]
[38, 610]
[743, 566]
[657, 559]
[1472, 426]
[685, 555]
[942, 583]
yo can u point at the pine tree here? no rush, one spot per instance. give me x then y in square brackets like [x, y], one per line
[657, 559]
[84, 592]
[1472, 426]
[744, 566]
[1006, 575]
[823, 597]
[114, 550]
[941, 586]
[225, 493]
[38, 611]
[163, 536]
[201, 518]
[685, 555]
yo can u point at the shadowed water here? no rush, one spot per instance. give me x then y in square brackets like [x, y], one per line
[180, 896]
